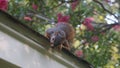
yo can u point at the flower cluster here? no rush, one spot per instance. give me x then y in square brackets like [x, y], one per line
[61, 18]
[116, 27]
[88, 23]
[107, 1]
[34, 6]
[95, 38]
[79, 53]
[27, 18]
[74, 4]
[3, 5]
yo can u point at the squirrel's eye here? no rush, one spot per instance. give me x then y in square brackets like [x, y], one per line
[53, 39]
[51, 32]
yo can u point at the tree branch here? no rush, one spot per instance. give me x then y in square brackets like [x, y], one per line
[111, 20]
[108, 27]
[64, 1]
[56, 6]
[33, 13]
[105, 8]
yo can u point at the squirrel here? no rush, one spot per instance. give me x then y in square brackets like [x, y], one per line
[61, 35]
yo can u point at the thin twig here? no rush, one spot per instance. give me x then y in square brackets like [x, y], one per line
[56, 6]
[33, 13]
[111, 20]
[64, 1]
[105, 8]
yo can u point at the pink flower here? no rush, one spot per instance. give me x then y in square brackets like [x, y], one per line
[62, 18]
[116, 27]
[27, 18]
[59, 16]
[74, 4]
[103, 33]
[3, 5]
[88, 23]
[35, 7]
[107, 1]
[95, 38]
[79, 53]
[94, 12]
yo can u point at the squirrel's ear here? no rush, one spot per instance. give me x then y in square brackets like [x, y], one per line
[62, 34]
[50, 31]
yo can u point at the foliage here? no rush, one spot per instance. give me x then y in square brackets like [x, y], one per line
[96, 41]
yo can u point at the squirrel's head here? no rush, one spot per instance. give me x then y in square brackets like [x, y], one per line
[57, 38]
